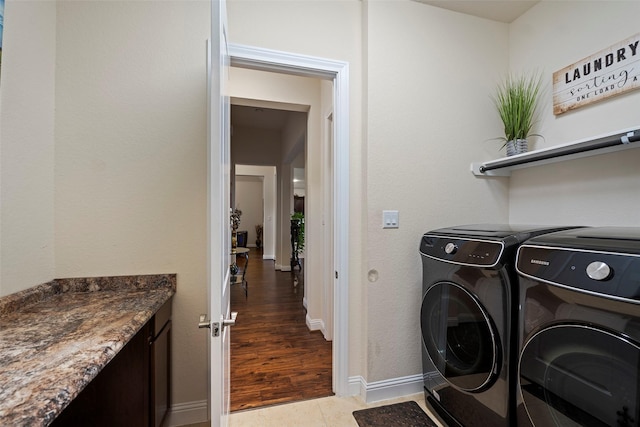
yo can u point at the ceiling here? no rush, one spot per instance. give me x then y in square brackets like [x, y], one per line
[258, 117]
[266, 119]
[497, 10]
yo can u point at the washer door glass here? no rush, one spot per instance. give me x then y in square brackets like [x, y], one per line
[578, 375]
[459, 337]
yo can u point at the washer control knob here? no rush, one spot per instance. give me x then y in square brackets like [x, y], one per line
[598, 270]
[451, 248]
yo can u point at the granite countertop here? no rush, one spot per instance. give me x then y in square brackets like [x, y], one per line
[56, 337]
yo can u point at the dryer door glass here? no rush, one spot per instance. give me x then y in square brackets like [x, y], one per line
[459, 337]
[578, 375]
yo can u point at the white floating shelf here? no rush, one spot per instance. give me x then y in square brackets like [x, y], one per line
[622, 140]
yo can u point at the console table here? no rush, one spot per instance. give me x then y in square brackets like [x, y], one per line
[237, 278]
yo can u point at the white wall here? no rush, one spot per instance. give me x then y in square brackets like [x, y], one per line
[130, 158]
[103, 148]
[269, 181]
[27, 97]
[430, 73]
[249, 199]
[602, 190]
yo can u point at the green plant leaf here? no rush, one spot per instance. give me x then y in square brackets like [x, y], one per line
[299, 216]
[517, 100]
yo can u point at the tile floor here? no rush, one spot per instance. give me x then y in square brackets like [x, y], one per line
[325, 412]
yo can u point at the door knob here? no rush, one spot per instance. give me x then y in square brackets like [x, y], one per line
[204, 323]
[231, 321]
[215, 326]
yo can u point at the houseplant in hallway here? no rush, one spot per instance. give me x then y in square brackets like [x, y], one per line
[297, 238]
[517, 101]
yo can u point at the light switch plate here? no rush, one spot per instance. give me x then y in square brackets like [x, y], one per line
[390, 219]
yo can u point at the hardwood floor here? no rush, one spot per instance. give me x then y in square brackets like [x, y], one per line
[274, 357]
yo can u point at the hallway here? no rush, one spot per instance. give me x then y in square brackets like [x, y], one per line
[275, 359]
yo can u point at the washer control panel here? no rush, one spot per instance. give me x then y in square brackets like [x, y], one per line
[606, 273]
[483, 253]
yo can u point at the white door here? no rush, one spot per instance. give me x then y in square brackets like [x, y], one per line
[219, 233]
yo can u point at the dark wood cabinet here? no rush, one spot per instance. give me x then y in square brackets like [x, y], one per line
[133, 389]
[160, 366]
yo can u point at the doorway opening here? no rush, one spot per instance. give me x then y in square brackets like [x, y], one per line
[337, 269]
[255, 193]
[289, 357]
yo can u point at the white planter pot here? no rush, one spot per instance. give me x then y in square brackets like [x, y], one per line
[517, 146]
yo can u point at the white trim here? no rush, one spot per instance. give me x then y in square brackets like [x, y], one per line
[314, 324]
[357, 385]
[386, 389]
[187, 413]
[337, 71]
[269, 257]
[257, 58]
[283, 267]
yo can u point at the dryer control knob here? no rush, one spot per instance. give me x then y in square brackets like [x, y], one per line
[598, 270]
[451, 248]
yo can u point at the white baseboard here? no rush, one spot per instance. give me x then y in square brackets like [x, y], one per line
[283, 267]
[269, 257]
[386, 389]
[187, 413]
[314, 324]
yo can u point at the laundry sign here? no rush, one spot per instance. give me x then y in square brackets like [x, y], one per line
[610, 72]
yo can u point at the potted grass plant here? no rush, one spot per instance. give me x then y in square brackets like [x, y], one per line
[517, 101]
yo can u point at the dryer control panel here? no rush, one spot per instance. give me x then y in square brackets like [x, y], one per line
[473, 252]
[598, 272]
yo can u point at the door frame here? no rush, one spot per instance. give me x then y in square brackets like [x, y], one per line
[256, 58]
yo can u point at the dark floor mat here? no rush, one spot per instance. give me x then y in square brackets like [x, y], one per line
[405, 414]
